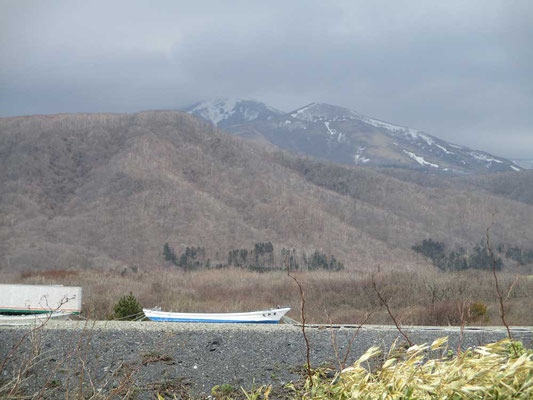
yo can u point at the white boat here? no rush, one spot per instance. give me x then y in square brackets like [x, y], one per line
[29, 319]
[271, 316]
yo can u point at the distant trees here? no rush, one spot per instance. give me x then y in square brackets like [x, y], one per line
[320, 260]
[264, 258]
[431, 249]
[169, 254]
[238, 257]
[192, 258]
[261, 258]
[521, 256]
[459, 259]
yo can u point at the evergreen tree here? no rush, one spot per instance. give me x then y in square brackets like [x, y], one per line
[127, 308]
[169, 254]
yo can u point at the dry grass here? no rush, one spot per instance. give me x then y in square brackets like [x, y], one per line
[49, 274]
[420, 298]
[486, 372]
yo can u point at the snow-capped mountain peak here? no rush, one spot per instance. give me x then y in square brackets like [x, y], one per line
[215, 110]
[230, 111]
[342, 135]
[323, 112]
[355, 138]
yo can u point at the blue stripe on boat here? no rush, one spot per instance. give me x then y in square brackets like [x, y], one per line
[162, 319]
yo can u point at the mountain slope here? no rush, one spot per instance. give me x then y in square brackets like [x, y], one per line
[109, 190]
[524, 163]
[341, 135]
[228, 112]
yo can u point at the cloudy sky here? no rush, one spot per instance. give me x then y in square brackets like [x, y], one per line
[460, 70]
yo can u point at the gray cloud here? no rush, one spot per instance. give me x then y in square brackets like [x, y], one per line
[459, 70]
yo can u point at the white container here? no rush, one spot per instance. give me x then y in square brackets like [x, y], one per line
[25, 299]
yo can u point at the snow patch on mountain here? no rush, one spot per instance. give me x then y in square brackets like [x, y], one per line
[483, 157]
[524, 163]
[318, 112]
[215, 110]
[390, 127]
[248, 115]
[303, 113]
[425, 138]
[227, 111]
[407, 133]
[359, 158]
[331, 131]
[420, 160]
[444, 149]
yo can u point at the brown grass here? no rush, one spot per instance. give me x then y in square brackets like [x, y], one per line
[49, 274]
[421, 298]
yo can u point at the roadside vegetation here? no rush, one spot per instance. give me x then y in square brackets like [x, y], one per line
[441, 296]
[492, 371]
[430, 297]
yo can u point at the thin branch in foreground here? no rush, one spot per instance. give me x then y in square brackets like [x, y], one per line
[334, 342]
[342, 363]
[464, 313]
[386, 304]
[302, 313]
[501, 297]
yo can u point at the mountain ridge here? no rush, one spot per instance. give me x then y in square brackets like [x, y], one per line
[342, 135]
[109, 190]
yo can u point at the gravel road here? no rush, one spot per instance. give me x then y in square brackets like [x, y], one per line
[164, 356]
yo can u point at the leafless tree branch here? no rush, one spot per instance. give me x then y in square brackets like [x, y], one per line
[386, 304]
[302, 313]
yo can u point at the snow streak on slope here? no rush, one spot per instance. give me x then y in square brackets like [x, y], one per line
[483, 157]
[524, 163]
[444, 149]
[216, 110]
[359, 158]
[419, 159]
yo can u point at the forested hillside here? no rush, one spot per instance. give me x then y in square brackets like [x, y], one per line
[110, 190]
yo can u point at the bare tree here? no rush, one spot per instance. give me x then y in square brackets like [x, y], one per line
[302, 314]
[501, 296]
[386, 304]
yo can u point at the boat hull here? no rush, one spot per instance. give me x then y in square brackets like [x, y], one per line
[271, 316]
[30, 319]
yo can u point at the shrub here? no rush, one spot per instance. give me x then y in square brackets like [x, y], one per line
[127, 308]
[478, 310]
[445, 313]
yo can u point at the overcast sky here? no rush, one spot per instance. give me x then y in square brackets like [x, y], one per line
[460, 70]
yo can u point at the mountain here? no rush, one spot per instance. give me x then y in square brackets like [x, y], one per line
[526, 163]
[109, 190]
[344, 136]
[226, 112]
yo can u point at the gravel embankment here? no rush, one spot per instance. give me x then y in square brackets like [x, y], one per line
[205, 355]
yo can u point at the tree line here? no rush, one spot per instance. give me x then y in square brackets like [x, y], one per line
[477, 257]
[262, 258]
